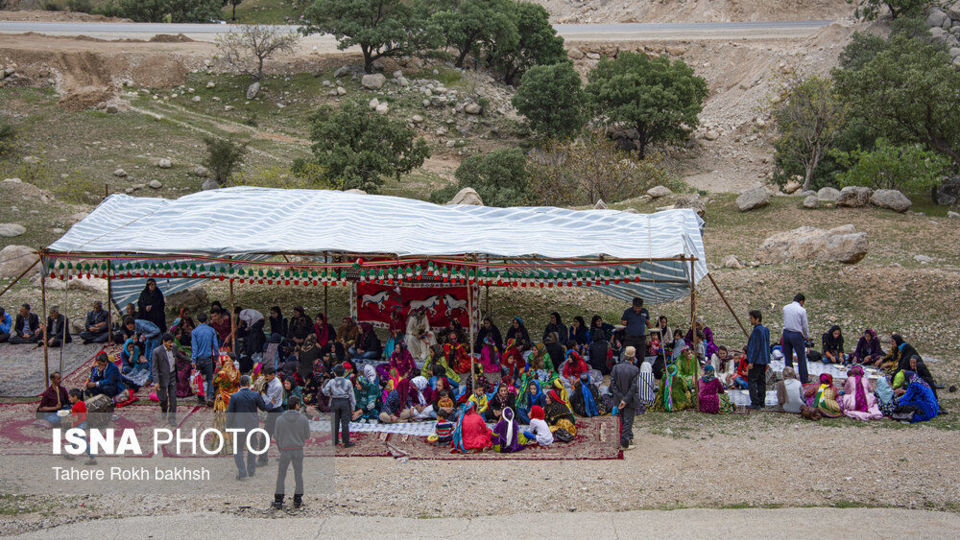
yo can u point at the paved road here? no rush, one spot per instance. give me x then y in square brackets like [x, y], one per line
[582, 32]
[689, 523]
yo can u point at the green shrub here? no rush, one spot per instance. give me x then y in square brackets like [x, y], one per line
[499, 177]
[552, 100]
[80, 6]
[223, 156]
[911, 168]
[8, 139]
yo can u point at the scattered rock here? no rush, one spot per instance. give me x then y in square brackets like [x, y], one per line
[731, 261]
[600, 205]
[952, 214]
[200, 171]
[31, 160]
[195, 99]
[890, 198]
[373, 81]
[112, 108]
[397, 74]
[341, 91]
[383, 108]
[209, 184]
[467, 196]
[854, 196]
[924, 259]
[791, 187]
[15, 259]
[828, 195]
[711, 135]
[691, 201]
[755, 197]
[253, 90]
[811, 202]
[155, 184]
[403, 82]
[937, 18]
[164, 163]
[211, 84]
[120, 173]
[593, 56]
[13, 180]
[472, 108]
[228, 108]
[842, 244]
[10, 230]
[355, 190]
[948, 192]
[659, 191]
[416, 119]
[373, 103]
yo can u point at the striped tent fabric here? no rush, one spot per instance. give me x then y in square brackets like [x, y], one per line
[253, 223]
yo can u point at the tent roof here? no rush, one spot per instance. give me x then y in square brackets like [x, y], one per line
[252, 223]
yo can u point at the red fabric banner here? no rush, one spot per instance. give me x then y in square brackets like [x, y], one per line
[374, 303]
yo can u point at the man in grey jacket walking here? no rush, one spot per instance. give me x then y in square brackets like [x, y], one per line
[624, 387]
[342, 403]
[291, 432]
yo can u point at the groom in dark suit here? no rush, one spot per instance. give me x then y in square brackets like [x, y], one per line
[242, 415]
[164, 361]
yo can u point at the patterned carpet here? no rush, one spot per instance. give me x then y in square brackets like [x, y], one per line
[22, 373]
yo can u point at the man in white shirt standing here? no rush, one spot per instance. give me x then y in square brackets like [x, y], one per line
[796, 330]
[273, 399]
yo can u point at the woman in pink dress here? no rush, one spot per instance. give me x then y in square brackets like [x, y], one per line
[858, 401]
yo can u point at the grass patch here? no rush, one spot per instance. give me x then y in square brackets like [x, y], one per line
[263, 12]
[12, 505]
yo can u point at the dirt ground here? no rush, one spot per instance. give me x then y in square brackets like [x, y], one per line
[627, 11]
[760, 460]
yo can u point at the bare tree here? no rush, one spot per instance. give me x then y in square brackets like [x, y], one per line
[246, 49]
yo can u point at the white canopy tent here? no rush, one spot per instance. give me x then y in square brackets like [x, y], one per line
[250, 234]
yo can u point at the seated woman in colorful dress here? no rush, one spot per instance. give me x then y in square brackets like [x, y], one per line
[456, 354]
[531, 395]
[687, 364]
[558, 415]
[918, 366]
[511, 361]
[396, 406]
[291, 390]
[471, 434]
[539, 432]
[518, 333]
[490, 357]
[421, 399]
[886, 398]
[506, 434]
[674, 392]
[917, 402]
[790, 392]
[724, 365]
[367, 394]
[823, 396]
[540, 366]
[833, 346]
[133, 364]
[899, 355]
[858, 401]
[574, 366]
[502, 399]
[869, 351]
[585, 400]
[401, 360]
[438, 358]
[713, 399]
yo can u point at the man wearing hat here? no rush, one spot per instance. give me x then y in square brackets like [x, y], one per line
[624, 387]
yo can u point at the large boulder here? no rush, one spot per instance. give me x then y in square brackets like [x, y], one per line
[936, 18]
[842, 244]
[811, 202]
[691, 201]
[755, 197]
[854, 196]
[792, 187]
[892, 199]
[948, 192]
[467, 195]
[194, 299]
[253, 90]
[14, 260]
[10, 230]
[209, 184]
[659, 191]
[828, 195]
[373, 81]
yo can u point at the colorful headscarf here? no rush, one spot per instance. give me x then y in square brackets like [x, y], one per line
[860, 396]
[536, 412]
[556, 397]
[589, 404]
[458, 431]
[708, 373]
[671, 373]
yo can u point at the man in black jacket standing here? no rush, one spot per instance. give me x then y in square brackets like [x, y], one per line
[291, 431]
[164, 364]
[242, 415]
[624, 387]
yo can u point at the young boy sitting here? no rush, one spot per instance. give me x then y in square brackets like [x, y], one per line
[78, 413]
[444, 429]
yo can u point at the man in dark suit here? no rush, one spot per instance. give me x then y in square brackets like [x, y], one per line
[242, 416]
[27, 327]
[57, 330]
[164, 373]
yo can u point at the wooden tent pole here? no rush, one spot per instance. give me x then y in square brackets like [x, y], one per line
[732, 312]
[473, 377]
[43, 303]
[326, 313]
[14, 282]
[63, 333]
[109, 305]
[693, 330]
[233, 325]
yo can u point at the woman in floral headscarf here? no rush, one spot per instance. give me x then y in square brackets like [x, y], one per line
[226, 382]
[530, 395]
[674, 392]
[858, 401]
[558, 414]
[711, 396]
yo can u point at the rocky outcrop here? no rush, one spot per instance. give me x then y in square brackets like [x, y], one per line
[467, 195]
[811, 202]
[828, 195]
[892, 199]
[854, 196]
[194, 299]
[842, 244]
[944, 23]
[15, 259]
[691, 201]
[659, 191]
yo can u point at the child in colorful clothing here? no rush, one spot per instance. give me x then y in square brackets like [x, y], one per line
[444, 429]
[78, 413]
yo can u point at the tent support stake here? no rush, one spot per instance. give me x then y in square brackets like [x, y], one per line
[732, 312]
[473, 377]
[693, 328]
[43, 303]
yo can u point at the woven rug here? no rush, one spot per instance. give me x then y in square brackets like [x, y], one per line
[597, 438]
[21, 434]
[22, 373]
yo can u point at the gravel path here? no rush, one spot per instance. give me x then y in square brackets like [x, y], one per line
[690, 523]
[762, 461]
